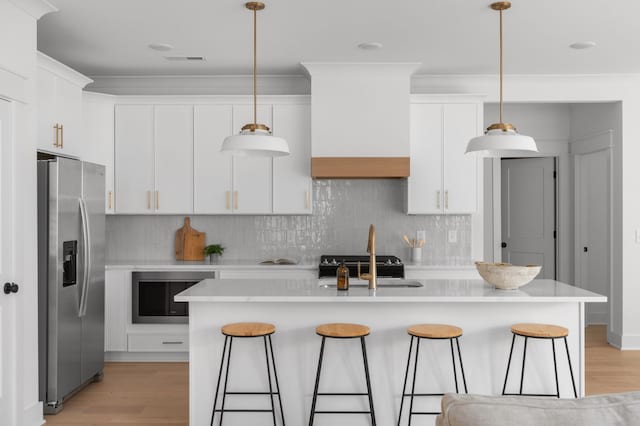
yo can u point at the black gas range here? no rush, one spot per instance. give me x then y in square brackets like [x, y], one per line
[386, 266]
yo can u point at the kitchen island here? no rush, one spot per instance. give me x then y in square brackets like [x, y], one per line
[296, 307]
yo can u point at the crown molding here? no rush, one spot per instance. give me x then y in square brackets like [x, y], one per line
[35, 8]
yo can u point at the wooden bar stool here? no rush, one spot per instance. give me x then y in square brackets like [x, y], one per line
[247, 330]
[343, 331]
[432, 332]
[539, 331]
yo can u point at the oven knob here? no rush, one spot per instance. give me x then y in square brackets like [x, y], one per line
[388, 262]
[333, 262]
[325, 262]
[398, 262]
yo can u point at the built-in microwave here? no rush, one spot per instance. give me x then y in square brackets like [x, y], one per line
[153, 291]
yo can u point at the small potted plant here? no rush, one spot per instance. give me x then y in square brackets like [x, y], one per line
[214, 251]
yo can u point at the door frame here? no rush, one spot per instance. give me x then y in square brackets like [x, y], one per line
[590, 144]
[559, 149]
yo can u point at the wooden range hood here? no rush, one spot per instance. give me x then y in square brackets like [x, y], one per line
[360, 119]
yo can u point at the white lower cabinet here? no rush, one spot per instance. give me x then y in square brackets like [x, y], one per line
[158, 342]
[443, 179]
[117, 309]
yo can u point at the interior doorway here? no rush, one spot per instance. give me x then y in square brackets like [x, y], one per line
[528, 194]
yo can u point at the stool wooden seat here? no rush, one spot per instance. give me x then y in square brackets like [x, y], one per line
[435, 331]
[342, 330]
[248, 329]
[540, 330]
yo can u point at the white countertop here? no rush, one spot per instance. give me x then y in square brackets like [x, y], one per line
[278, 290]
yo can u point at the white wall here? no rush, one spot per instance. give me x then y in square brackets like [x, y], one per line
[548, 124]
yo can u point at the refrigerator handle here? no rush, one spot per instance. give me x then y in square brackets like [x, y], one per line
[86, 238]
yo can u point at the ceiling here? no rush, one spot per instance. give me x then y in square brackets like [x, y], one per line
[110, 37]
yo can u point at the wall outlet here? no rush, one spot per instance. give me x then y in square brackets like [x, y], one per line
[453, 236]
[421, 235]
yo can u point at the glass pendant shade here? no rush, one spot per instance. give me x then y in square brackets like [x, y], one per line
[258, 143]
[502, 143]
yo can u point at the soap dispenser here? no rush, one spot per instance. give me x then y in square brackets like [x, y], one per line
[342, 275]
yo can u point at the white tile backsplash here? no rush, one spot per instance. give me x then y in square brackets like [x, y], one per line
[343, 210]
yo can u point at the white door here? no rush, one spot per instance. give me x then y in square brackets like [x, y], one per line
[593, 229]
[134, 159]
[173, 159]
[292, 174]
[212, 169]
[460, 169]
[425, 181]
[8, 302]
[528, 213]
[252, 186]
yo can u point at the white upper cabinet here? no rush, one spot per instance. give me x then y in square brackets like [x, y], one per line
[212, 169]
[59, 107]
[292, 174]
[444, 180]
[173, 148]
[98, 138]
[134, 159]
[252, 176]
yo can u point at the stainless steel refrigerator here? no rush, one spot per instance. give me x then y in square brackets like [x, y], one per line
[71, 256]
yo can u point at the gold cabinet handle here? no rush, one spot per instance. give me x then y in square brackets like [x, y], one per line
[228, 199]
[148, 200]
[157, 200]
[235, 200]
[438, 199]
[57, 142]
[61, 136]
[446, 199]
[306, 199]
[110, 200]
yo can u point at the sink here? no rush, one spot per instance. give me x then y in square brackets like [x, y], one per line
[382, 283]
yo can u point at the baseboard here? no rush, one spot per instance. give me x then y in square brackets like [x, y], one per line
[146, 356]
[614, 339]
[33, 415]
[597, 318]
[625, 342]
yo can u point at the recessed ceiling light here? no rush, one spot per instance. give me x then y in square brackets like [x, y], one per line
[582, 45]
[370, 45]
[160, 47]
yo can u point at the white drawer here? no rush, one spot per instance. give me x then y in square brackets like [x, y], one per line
[158, 343]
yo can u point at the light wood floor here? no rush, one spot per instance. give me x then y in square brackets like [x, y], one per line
[150, 394]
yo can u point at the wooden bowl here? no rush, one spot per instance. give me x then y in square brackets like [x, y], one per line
[506, 276]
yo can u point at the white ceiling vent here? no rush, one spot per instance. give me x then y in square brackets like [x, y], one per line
[186, 58]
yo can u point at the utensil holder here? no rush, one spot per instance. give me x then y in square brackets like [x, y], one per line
[416, 254]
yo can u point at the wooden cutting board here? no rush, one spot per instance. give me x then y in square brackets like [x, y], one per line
[189, 242]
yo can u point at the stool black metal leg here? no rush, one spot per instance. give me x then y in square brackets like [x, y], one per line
[215, 399]
[275, 374]
[315, 389]
[566, 345]
[506, 376]
[366, 375]
[404, 385]
[555, 366]
[226, 380]
[413, 385]
[464, 380]
[524, 357]
[266, 357]
[453, 359]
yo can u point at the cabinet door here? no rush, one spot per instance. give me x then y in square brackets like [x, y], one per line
[212, 178]
[134, 158]
[252, 187]
[425, 181]
[292, 174]
[98, 138]
[460, 170]
[46, 110]
[69, 111]
[173, 159]
[117, 285]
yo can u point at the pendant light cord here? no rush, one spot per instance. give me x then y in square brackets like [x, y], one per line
[255, 67]
[500, 66]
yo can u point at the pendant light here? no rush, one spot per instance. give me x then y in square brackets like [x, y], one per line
[501, 139]
[255, 139]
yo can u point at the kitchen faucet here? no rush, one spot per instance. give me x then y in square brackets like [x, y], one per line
[371, 249]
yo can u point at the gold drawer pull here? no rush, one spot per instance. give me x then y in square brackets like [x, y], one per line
[110, 200]
[235, 200]
[148, 200]
[228, 199]
[306, 199]
[157, 200]
[438, 199]
[446, 199]
[57, 142]
[61, 136]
